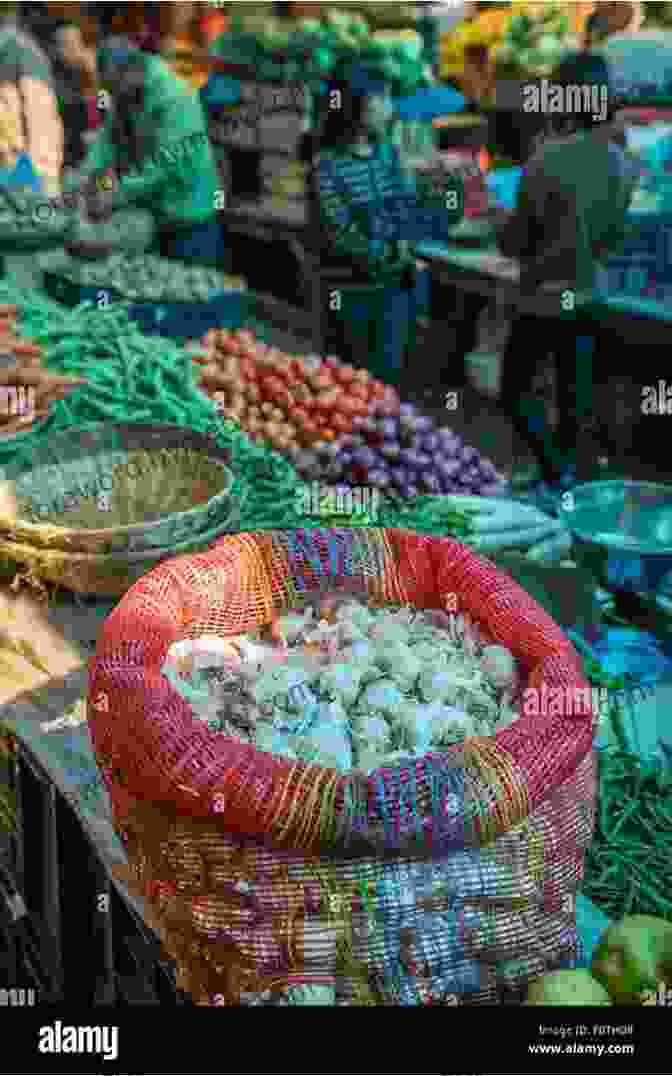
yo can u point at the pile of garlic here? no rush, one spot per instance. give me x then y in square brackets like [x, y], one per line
[350, 686]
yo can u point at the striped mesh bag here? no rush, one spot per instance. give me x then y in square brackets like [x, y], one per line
[448, 880]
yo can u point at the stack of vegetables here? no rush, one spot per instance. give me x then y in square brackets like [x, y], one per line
[536, 40]
[310, 49]
[134, 378]
[337, 424]
[486, 31]
[351, 686]
[143, 277]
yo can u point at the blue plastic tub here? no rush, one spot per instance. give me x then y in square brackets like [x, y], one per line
[221, 92]
[503, 185]
[178, 321]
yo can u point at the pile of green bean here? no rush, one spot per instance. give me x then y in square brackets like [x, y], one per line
[132, 378]
[628, 865]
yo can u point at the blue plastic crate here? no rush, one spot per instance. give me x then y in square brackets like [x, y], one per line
[178, 321]
[649, 243]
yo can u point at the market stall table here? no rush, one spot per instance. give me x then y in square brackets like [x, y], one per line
[626, 323]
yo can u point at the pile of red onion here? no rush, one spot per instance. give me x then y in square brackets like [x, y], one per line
[404, 455]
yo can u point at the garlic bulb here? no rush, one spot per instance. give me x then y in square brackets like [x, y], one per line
[499, 665]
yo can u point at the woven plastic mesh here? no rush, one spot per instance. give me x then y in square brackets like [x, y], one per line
[451, 877]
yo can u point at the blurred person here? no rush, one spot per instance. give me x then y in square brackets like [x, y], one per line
[27, 96]
[355, 172]
[77, 73]
[571, 213]
[154, 153]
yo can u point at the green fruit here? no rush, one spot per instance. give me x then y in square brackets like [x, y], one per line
[634, 956]
[567, 988]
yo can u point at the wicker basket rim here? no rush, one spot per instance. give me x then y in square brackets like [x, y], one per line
[479, 751]
[67, 534]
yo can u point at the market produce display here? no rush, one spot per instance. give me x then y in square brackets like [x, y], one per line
[27, 389]
[627, 866]
[634, 957]
[356, 687]
[133, 378]
[536, 39]
[631, 966]
[143, 277]
[338, 424]
[287, 401]
[308, 50]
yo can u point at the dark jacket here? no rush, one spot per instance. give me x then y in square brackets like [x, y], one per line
[571, 213]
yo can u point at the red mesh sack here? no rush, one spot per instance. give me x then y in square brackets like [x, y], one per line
[451, 877]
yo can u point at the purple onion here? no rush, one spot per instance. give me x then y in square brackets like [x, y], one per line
[389, 428]
[379, 479]
[498, 489]
[431, 442]
[399, 476]
[410, 492]
[345, 459]
[359, 422]
[469, 455]
[448, 469]
[425, 425]
[407, 411]
[365, 457]
[488, 470]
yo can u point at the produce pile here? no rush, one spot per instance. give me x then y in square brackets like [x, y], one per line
[27, 389]
[535, 41]
[631, 966]
[338, 424]
[143, 277]
[350, 686]
[134, 378]
[309, 50]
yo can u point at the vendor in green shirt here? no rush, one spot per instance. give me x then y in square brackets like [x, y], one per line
[154, 153]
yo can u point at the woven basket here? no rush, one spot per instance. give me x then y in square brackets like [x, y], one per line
[451, 877]
[111, 489]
